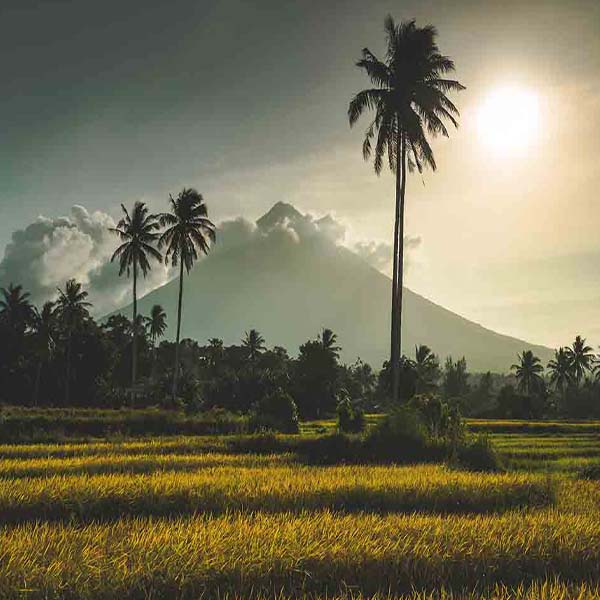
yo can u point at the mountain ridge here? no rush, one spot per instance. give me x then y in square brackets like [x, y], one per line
[288, 279]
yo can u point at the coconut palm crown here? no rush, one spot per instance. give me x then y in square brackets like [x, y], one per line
[528, 372]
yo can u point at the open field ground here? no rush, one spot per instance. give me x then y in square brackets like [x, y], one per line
[188, 517]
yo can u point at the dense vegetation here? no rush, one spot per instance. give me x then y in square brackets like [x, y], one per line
[45, 349]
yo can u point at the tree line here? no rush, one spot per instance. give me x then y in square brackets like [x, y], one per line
[59, 355]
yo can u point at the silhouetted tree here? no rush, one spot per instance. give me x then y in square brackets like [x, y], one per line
[560, 371]
[71, 309]
[456, 378]
[214, 352]
[315, 380]
[581, 357]
[408, 382]
[409, 98]
[189, 230]
[427, 367]
[157, 325]
[528, 372]
[43, 326]
[254, 343]
[329, 341]
[139, 233]
[16, 310]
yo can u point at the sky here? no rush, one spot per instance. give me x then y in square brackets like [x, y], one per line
[110, 102]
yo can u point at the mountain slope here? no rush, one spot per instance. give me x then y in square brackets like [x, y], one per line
[288, 280]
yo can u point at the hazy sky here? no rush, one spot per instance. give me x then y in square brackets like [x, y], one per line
[113, 101]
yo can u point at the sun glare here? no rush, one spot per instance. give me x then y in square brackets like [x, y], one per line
[508, 120]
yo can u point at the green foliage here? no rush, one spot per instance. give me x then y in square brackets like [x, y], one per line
[456, 378]
[350, 418]
[591, 472]
[478, 454]
[275, 412]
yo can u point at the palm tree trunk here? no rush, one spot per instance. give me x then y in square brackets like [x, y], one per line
[398, 266]
[36, 387]
[394, 363]
[68, 382]
[179, 305]
[154, 354]
[134, 345]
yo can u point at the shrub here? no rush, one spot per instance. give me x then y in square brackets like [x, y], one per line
[265, 442]
[591, 472]
[275, 412]
[332, 449]
[478, 454]
[350, 419]
[401, 437]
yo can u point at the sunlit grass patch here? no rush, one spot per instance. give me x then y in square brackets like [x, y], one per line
[134, 463]
[157, 445]
[271, 489]
[311, 552]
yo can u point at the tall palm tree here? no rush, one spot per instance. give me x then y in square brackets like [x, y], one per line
[43, 326]
[329, 341]
[71, 309]
[189, 230]
[138, 233]
[427, 368]
[581, 358]
[254, 344]
[560, 370]
[15, 309]
[157, 325]
[409, 98]
[528, 371]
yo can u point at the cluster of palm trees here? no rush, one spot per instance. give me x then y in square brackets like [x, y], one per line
[569, 367]
[178, 237]
[70, 308]
[59, 321]
[186, 232]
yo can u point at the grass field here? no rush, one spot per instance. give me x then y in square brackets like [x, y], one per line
[186, 517]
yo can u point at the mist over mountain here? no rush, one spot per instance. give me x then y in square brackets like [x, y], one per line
[287, 276]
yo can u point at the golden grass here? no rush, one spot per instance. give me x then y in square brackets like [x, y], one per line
[180, 518]
[318, 552]
[135, 463]
[268, 488]
[168, 445]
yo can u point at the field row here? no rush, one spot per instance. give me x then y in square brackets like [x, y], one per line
[313, 552]
[268, 488]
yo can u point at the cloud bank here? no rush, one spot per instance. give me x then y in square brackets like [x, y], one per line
[43, 255]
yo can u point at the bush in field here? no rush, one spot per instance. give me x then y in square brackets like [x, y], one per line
[401, 436]
[433, 412]
[591, 472]
[478, 454]
[275, 412]
[350, 418]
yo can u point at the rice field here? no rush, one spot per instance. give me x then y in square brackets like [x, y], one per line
[187, 518]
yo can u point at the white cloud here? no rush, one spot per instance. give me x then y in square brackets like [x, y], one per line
[379, 254]
[46, 253]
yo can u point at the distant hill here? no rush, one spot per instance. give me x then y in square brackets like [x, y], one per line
[288, 279]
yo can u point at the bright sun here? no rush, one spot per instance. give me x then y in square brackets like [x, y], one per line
[508, 120]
